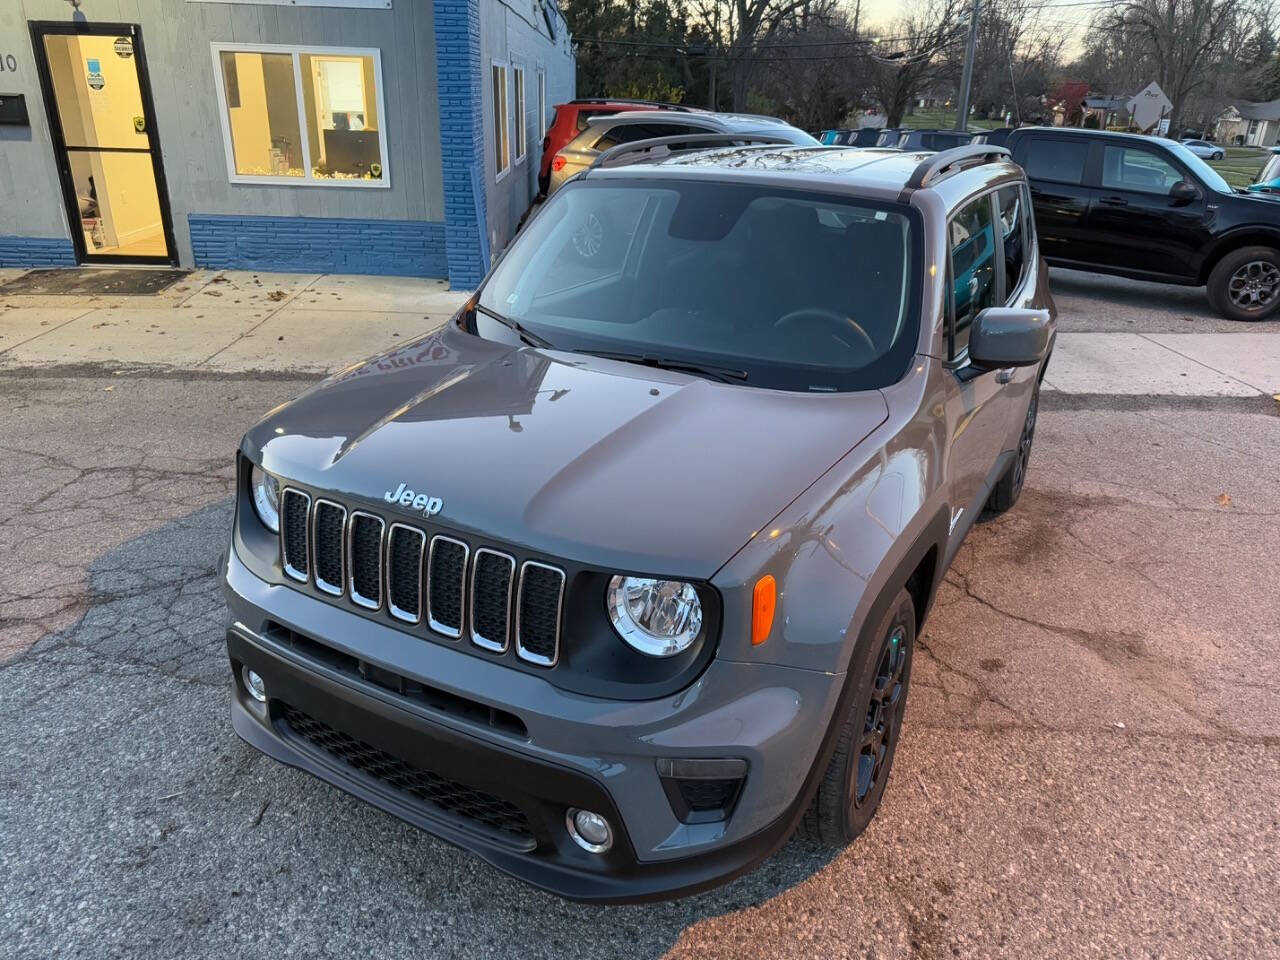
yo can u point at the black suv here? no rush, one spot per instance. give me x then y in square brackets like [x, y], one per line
[1151, 209]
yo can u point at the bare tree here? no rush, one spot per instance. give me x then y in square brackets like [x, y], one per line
[815, 70]
[743, 29]
[911, 56]
[1184, 41]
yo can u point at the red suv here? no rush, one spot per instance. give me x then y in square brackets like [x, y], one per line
[570, 119]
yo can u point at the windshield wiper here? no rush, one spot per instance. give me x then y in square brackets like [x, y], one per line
[527, 335]
[722, 374]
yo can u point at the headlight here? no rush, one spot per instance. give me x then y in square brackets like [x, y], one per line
[266, 498]
[659, 618]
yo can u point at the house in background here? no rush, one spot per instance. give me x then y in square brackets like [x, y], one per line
[1249, 124]
[1107, 113]
[351, 136]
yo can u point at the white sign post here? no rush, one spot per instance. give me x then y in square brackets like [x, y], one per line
[1148, 107]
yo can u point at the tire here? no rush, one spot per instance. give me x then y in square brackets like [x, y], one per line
[1009, 487]
[854, 783]
[1245, 284]
[1218, 155]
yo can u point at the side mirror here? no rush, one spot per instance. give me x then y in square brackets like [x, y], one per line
[1008, 337]
[1183, 192]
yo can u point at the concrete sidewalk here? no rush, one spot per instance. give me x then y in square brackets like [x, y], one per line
[225, 321]
[240, 322]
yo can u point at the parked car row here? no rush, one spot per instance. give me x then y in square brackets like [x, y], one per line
[906, 138]
[1124, 204]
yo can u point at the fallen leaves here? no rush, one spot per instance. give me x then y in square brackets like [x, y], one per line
[1224, 499]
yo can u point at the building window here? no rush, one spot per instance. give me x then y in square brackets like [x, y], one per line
[521, 132]
[501, 145]
[302, 115]
[542, 104]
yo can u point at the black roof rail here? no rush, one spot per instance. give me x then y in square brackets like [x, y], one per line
[696, 141]
[935, 167]
[656, 103]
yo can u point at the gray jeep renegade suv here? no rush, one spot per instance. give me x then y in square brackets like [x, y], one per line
[615, 579]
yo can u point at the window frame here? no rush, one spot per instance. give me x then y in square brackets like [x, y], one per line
[542, 104]
[297, 51]
[500, 128]
[1017, 292]
[960, 361]
[520, 149]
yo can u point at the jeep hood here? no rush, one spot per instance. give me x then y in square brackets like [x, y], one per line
[599, 461]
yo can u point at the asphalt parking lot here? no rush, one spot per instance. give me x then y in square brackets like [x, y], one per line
[1090, 766]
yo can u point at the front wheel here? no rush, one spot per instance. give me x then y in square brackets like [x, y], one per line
[854, 782]
[1245, 284]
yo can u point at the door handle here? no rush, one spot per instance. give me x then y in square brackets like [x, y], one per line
[1005, 375]
[1114, 201]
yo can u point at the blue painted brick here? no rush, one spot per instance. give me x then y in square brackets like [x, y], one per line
[319, 245]
[37, 252]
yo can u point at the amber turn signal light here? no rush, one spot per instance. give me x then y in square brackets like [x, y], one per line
[763, 603]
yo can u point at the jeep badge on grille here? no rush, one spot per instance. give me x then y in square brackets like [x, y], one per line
[428, 506]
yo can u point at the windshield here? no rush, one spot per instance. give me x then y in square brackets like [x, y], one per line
[798, 291]
[1208, 176]
[1271, 171]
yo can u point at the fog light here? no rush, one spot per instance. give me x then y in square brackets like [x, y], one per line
[589, 830]
[254, 684]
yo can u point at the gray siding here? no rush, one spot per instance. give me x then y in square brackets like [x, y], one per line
[514, 32]
[177, 37]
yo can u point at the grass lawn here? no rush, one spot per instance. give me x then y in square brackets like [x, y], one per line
[933, 118]
[1241, 165]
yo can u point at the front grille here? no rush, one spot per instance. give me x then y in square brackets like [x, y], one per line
[538, 613]
[427, 787]
[355, 554]
[330, 521]
[404, 572]
[491, 599]
[366, 560]
[446, 583]
[294, 508]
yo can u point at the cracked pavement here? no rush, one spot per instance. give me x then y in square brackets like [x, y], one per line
[1090, 765]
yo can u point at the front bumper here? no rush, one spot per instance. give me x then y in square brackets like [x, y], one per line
[514, 780]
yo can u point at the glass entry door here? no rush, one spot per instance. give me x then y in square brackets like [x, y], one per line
[99, 104]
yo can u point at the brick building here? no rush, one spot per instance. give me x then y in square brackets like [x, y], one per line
[353, 136]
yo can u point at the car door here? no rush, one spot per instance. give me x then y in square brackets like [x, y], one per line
[1055, 166]
[978, 415]
[1136, 224]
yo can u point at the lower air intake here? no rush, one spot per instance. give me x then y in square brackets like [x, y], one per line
[425, 786]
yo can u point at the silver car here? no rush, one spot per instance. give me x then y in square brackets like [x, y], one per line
[1204, 149]
[602, 133]
[615, 580]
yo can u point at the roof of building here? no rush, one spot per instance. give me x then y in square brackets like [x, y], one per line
[1270, 110]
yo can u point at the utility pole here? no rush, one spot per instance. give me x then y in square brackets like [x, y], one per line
[962, 117]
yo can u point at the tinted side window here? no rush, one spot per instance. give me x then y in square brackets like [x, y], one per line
[1011, 211]
[1132, 168]
[1058, 161]
[973, 268]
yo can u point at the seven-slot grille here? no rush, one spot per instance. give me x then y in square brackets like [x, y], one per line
[438, 581]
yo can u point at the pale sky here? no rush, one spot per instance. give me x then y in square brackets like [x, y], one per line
[1068, 16]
